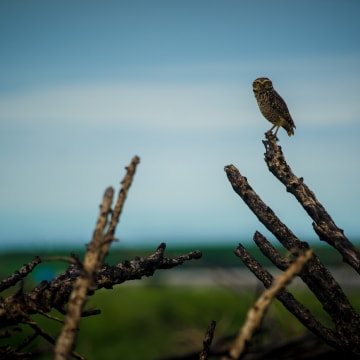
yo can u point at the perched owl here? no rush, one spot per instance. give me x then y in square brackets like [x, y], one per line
[272, 106]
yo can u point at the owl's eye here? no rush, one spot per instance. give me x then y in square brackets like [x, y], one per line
[268, 84]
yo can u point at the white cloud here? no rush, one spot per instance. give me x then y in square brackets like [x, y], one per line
[227, 103]
[188, 106]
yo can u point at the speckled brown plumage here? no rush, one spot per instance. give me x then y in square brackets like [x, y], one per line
[272, 106]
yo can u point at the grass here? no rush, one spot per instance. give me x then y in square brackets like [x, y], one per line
[151, 321]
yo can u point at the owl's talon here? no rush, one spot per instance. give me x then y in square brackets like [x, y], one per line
[269, 134]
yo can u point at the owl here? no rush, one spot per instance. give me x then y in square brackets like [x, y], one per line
[272, 106]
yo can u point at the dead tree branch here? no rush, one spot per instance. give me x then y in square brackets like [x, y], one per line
[19, 274]
[94, 258]
[302, 313]
[207, 341]
[78, 282]
[257, 312]
[315, 275]
[55, 293]
[323, 224]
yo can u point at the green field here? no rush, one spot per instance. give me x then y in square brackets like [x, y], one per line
[153, 322]
[148, 320]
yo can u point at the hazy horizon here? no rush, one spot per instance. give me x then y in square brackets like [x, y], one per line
[85, 86]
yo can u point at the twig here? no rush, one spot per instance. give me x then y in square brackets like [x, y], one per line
[51, 317]
[27, 341]
[207, 341]
[70, 260]
[258, 310]
[125, 185]
[9, 332]
[19, 274]
[323, 224]
[270, 252]
[39, 331]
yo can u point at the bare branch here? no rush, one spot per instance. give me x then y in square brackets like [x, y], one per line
[323, 224]
[316, 276]
[47, 337]
[287, 299]
[270, 252]
[258, 310]
[207, 341]
[55, 293]
[94, 258]
[109, 276]
[19, 274]
[80, 280]
[264, 212]
[125, 185]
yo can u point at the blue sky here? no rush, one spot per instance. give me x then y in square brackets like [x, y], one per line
[86, 85]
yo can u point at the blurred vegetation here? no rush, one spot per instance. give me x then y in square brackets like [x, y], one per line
[148, 320]
[213, 258]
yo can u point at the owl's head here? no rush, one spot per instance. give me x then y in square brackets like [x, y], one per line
[262, 84]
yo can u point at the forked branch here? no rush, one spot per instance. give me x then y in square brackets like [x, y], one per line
[78, 282]
[323, 224]
[94, 258]
[314, 274]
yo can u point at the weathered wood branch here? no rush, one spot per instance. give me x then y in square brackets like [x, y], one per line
[257, 312]
[323, 224]
[315, 275]
[141, 267]
[54, 294]
[19, 274]
[263, 212]
[94, 258]
[207, 341]
[79, 281]
[302, 313]
[281, 262]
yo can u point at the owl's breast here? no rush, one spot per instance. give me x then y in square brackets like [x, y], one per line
[267, 110]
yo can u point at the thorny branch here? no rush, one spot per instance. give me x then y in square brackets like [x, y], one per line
[315, 275]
